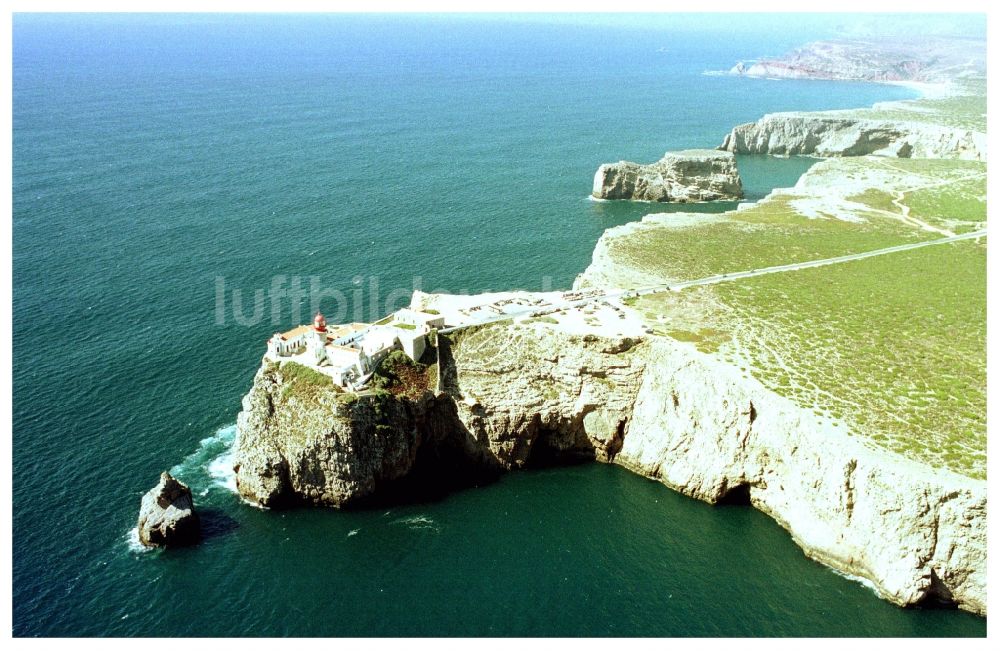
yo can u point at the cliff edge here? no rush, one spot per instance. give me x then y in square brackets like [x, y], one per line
[794, 134]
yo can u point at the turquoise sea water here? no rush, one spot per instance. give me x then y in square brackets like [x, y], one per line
[157, 157]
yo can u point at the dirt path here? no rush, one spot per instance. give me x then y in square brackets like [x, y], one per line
[904, 210]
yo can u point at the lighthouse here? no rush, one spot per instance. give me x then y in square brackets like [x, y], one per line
[317, 340]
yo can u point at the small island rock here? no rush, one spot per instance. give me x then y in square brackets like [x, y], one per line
[166, 515]
[682, 176]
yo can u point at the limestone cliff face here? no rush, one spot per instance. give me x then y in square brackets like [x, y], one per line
[927, 58]
[315, 445]
[300, 444]
[790, 134]
[673, 414]
[528, 393]
[914, 532]
[683, 176]
[511, 395]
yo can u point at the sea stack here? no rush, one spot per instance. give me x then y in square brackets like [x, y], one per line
[680, 176]
[166, 515]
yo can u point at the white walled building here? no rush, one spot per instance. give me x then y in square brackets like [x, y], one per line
[293, 342]
[413, 343]
[348, 353]
[419, 319]
[348, 335]
[344, 364]
[379, 341]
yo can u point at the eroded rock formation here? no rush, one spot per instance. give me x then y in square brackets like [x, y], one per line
[303, 444]
[682, 176]
[166, 515]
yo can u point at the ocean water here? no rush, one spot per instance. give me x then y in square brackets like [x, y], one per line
[162, 162]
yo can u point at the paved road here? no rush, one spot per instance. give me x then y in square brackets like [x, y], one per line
[721, 278]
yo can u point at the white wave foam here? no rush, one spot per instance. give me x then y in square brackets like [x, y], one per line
[253, 504]
[132, 540]
[211, 465]
[220, 469]
[715, 73]
[856, 579]
[419, 522]
[591, 197]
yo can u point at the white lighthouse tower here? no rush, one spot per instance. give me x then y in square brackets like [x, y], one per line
[316, 344]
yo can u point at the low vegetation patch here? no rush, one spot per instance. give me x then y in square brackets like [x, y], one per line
[304, 382]
[959, 206]
[772, 233]
[707, 340]
[876, 199]
[895, 345]
[401, 376]
[966, 109]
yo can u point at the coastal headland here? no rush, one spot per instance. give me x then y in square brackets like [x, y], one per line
[846, 401]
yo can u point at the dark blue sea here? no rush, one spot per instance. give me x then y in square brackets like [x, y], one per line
[176, 178]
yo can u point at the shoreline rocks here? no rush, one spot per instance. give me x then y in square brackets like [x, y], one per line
[682, 176]
[166, 515]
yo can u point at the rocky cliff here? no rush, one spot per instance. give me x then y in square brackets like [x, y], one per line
[791, 134]
[302, 441]
[683, 176]
[511, 395]
[674, 415]
[310, 443]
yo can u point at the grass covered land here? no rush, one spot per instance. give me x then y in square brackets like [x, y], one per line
[841, 206]
[895, 345]
[772, 233]
[892, 347]
[963, 108]
[304, 383]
